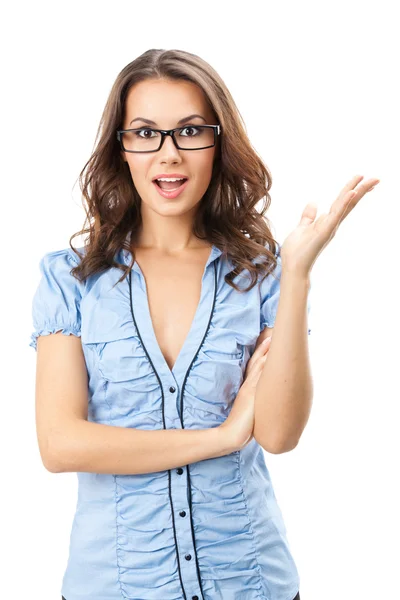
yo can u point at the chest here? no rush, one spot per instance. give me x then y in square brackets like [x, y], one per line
[173, 293]
[154, 358]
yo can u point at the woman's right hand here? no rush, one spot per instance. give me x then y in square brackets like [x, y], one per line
[239, 424]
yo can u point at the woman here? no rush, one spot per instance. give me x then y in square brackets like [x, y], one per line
[159, 398]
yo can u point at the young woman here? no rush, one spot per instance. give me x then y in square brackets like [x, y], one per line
[168, 390]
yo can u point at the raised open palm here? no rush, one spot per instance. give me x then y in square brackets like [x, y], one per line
[303, 245]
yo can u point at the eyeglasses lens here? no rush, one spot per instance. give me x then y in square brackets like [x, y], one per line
[189, 137]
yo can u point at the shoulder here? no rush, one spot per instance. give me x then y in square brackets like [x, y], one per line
[55, 269]
[60, 262]
[61, 258]
[56, 301]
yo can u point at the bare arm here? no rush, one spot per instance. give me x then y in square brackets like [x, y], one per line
[69, 442]
[284, 391]
[97, 448]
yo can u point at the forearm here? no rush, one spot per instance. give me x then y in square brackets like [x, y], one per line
[97, 448]
[284, 391]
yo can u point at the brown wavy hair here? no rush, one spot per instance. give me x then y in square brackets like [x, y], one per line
[226, 217]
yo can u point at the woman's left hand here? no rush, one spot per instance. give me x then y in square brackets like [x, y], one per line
[304, 244]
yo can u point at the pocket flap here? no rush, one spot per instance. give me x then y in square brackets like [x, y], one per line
[106, 321]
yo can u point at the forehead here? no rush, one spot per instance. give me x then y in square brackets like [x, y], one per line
[165, 100]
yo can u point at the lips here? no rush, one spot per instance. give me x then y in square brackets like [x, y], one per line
[170, 185]
[170, 194]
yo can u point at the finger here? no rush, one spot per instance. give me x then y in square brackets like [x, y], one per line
[257, 365]
[348, 199]
[309, 213]
[351, 193]
[261, 349]
[354, 198]
[260, 363]
[343, 204]
[254, 376]
[366, 186]
[264, 344]
[351, 184]
[260, 366]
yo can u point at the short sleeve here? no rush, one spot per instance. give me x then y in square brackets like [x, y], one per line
[270, 291]
[56, 302]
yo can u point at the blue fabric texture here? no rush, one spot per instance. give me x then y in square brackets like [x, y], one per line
[210, 530]
[56, 303]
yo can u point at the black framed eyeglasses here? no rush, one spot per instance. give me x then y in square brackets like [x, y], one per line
[147, 139]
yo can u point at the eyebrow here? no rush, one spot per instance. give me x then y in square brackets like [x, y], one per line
[184, 120]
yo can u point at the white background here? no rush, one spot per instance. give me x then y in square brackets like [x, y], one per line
[317, 84]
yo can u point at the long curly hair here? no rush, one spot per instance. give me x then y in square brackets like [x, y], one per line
[226, 217]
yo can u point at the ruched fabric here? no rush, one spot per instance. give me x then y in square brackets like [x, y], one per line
[211, 530]
[55, 305]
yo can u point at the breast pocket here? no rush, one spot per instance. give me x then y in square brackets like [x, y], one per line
[131, 389]
[118, 353]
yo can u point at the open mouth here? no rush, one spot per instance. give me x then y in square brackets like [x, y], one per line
[170, 186]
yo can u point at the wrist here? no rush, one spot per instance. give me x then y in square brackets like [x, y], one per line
[295, 277]
[226, 439]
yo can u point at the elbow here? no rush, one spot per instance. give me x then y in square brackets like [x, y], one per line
[284, 448]
[276, 447]
[51, 464]
[51, 458]
[280, 449]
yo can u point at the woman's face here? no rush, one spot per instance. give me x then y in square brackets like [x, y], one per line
[166, 102]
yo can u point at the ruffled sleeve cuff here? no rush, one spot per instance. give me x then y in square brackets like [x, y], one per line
[56, 302]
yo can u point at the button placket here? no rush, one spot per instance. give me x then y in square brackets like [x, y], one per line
[182, 523]
[180, 490]
[170, 380]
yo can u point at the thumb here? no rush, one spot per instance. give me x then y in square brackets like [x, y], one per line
[309, 214]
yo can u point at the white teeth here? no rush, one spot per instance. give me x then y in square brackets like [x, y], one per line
[170, 179]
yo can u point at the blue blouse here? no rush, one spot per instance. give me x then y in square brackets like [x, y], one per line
[210, 530]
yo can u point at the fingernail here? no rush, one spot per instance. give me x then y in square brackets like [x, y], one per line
[266, 339]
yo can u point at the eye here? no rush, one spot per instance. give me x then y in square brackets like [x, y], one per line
[190, 127]
[139, 131]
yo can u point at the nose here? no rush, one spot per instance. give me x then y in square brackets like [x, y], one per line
[168, 149]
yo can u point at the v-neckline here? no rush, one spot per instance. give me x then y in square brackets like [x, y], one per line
[146, 326]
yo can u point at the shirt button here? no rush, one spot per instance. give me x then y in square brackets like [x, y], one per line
[172, 389]
[188, 557]
[179, 471]
[182, 513]
[195, 598]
